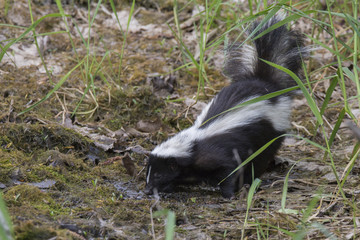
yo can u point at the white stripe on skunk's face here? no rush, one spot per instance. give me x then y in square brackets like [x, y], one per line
[181, 144]
[148, 175]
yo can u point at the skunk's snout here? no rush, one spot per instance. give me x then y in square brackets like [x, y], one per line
[148, 190]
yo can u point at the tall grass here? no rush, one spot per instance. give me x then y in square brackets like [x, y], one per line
[124, 33]
[342, 50]
[37, 45]
[204, 28]
[348, 50]
[87, 65]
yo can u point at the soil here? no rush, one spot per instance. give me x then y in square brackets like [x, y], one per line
[82, 175]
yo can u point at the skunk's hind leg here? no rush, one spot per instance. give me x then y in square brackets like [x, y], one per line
[229, 184]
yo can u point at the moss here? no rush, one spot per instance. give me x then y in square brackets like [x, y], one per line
[41, 165]
[55, 159]
[20, 194]
[36, 136]
[28, 231]
[28, 201]
[127, 211]
[14, 165]
[5, 143]
[6, 165]
[130, 105]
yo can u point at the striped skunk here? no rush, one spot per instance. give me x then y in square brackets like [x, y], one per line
[217, 143]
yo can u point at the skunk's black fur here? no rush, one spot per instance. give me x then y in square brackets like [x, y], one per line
[214, 146]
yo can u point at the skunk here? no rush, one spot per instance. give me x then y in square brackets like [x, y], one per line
[220, 139]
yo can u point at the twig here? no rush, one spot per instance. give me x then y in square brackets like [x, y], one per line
[157, 199]
[11, 108]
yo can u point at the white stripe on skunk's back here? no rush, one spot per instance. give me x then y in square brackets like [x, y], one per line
[180, 145]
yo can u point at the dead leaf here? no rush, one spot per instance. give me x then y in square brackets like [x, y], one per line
[148, 126]
[134, 133]
[125, 161]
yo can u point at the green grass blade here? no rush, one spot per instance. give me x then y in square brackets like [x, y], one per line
[81, 99]
[350, 74]
[100, 63]
[307, 95]
[211, 13]
[250, 7]
[260, 150]
[252, 190]
[116, 16]
[170, 222]
[286, 232]
[80, 34]
[250, 158]
[270, 14]
[326, 101]
[356, 46]
[95, 14]
[170, 225]
[325, 231]
[125, 37]
[338, 58]
[61, 10]
[300, 234]
[254, 186]
[187, 52]
[37, 44]
[324, 45]
[329, 93]
[353, 22]
[336, 127]
[351, 165]
[309, 208]
[284, 193]
[283, 22]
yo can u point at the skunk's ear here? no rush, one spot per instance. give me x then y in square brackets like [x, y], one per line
[184, 161]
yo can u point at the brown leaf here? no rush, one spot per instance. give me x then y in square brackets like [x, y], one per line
[129, 164]
[126, 161]
[148, 126]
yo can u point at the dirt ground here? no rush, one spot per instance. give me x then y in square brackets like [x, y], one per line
[82, 176]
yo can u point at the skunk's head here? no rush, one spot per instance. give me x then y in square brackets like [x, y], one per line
[161, 174]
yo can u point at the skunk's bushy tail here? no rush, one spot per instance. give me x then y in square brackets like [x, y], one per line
[281, 46]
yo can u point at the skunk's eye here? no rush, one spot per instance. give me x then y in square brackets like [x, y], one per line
[173, 166]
